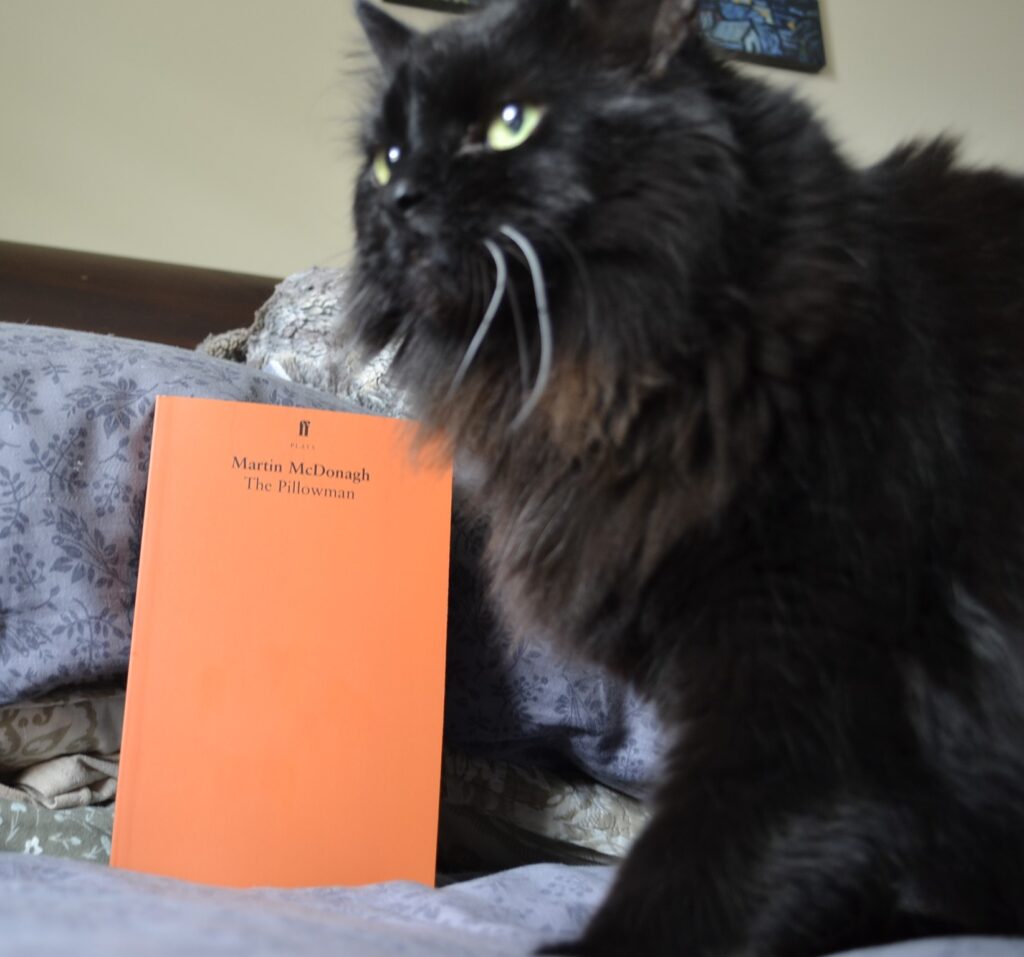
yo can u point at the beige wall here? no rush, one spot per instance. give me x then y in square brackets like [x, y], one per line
[218, 132]
[901, 68]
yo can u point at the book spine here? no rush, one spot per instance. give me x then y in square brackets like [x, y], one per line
[144, 590]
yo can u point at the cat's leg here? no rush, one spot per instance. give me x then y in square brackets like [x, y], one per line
[797, 863]
[811, 804]
[723, 870]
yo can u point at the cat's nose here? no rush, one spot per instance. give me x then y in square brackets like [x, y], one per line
[405, 195]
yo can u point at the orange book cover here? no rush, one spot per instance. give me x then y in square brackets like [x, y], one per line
[285, 688]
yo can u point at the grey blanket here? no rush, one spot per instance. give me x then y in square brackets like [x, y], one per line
[58, 907]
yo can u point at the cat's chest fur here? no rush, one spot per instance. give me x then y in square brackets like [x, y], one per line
[612, 483]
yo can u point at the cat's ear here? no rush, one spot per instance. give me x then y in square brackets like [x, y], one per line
[643, 34]
[675, 22]
[388, 37]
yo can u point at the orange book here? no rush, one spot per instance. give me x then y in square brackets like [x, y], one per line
[285, 689]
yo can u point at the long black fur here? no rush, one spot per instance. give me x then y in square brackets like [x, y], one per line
[775, 479]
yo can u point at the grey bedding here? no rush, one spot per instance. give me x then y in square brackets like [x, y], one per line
[75, 419]
[58, 907]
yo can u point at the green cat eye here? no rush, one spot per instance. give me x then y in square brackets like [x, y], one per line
[383, 161]
[513, 126]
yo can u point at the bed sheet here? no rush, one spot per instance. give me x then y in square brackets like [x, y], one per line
[55, 907]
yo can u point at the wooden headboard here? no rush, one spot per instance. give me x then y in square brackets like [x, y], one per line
[180, 305]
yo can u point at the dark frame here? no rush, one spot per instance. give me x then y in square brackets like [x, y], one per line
[779, 33]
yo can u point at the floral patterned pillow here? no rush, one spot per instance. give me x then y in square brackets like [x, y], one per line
[76, 414]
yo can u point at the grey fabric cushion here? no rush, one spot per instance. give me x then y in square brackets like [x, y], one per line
[75, 426]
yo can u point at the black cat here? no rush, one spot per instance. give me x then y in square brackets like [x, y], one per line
[747, 427]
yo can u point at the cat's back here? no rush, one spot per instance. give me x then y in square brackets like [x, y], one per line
[950, 256]
[957, 230]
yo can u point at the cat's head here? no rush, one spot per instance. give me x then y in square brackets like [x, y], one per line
[543, 183]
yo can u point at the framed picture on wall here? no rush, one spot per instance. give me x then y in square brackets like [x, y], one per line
[783, 33]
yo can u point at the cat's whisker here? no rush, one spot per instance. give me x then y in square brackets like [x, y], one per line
[543, 321]
[501, 281]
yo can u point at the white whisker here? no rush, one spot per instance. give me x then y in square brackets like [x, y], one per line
[543, 321]
[485, 324]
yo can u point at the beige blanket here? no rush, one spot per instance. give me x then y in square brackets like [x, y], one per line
[61, 751]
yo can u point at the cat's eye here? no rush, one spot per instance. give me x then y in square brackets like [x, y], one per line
[513, 126]
[383, 162]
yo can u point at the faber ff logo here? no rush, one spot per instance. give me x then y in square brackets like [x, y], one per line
[304, 428]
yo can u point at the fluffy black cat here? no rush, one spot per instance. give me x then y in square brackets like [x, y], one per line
[747, 428]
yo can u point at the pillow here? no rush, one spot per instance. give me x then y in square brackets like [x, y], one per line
[74, 722]
[79, 832]
[496, 815]
[75, 424]
[76, 414]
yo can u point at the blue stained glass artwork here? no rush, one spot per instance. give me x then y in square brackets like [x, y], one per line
[785, 33]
